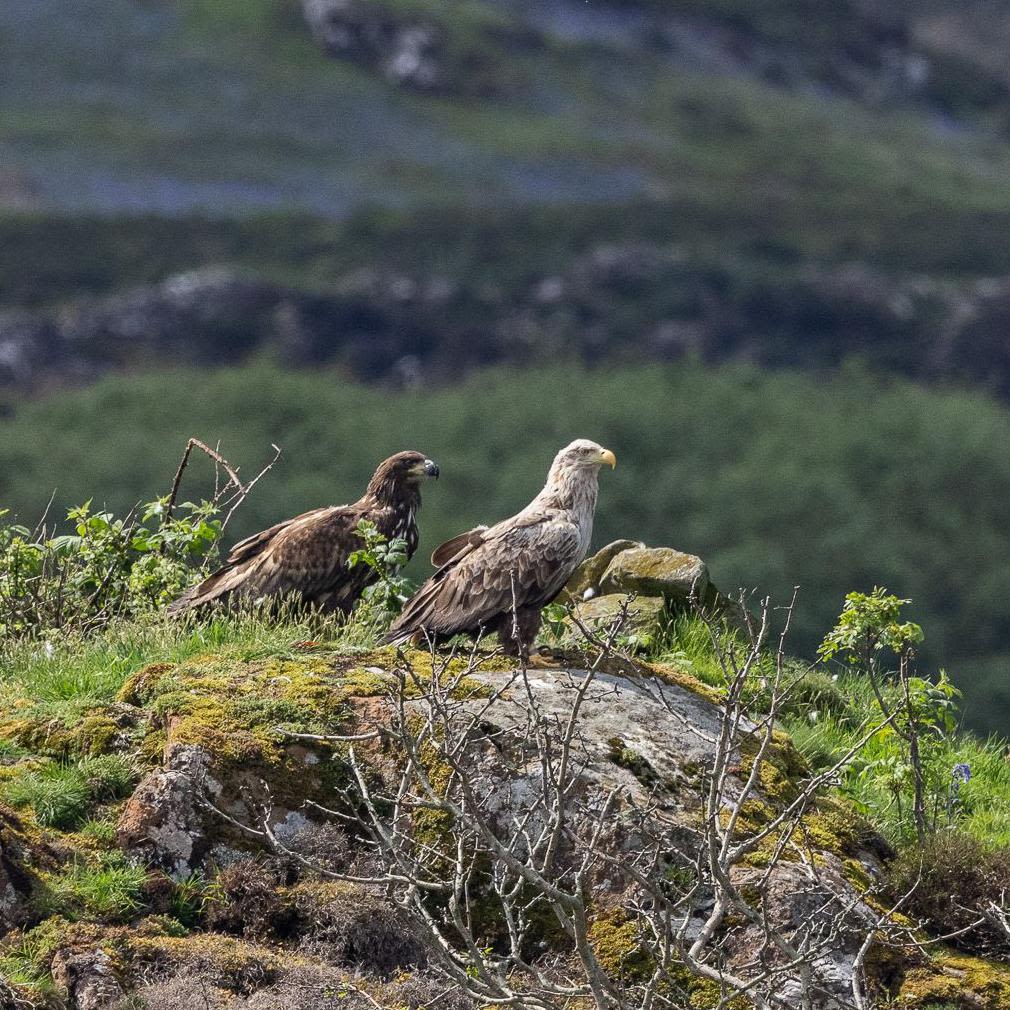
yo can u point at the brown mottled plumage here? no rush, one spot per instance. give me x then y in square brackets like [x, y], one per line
[532, 554]
[307, 556]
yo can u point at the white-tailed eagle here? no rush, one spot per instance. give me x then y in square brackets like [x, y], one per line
[500, 578]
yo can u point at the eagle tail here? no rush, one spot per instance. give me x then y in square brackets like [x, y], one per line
[417, 617]
[218, 586]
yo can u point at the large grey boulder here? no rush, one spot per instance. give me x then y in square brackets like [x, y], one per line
[586, 580]
[88, 979]
[645, 616]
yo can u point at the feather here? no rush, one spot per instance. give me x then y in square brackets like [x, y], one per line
[450, 550]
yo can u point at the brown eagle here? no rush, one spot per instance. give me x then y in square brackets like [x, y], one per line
[531, 555]
[307, 556]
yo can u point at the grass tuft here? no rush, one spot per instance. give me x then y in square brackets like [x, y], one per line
[61, 795]
[109, 891]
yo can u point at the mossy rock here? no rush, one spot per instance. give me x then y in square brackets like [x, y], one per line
[590, 572]
[657, 571]
[966, 983]
[22, 856]
[645, 622]
[614, 937]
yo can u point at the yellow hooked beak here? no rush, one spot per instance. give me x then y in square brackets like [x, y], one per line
[608, 457]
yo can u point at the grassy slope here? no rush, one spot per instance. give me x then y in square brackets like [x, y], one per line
[835, 484]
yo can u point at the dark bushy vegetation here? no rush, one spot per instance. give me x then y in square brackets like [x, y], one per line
[951, 879]
[429, 298]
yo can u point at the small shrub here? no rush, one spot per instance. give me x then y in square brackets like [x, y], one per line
[109, 891]
[325, 845]
[816, 692]
[56, 793]
[185, 990]
[384, 598]
[957, 875]
[102, 832]
[358, 930]
[245, 901]
[419, 990]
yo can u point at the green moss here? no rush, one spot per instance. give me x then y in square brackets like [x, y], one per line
[704, 994]
[140, 687]
[156, 942]
[966, 983]
[625, 757]
[834, 824]
[615, 941]
[856, 874]
[64, 731]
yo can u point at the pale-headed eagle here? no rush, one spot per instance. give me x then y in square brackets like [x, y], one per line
[307, 557]
[500, 578]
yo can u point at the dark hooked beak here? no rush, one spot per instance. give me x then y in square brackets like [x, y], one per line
[431, 468]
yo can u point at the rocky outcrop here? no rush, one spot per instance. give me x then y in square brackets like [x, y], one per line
[653, 584]
[407, 329]
[17, 879]
[163, 823]
[804, 903]
[88, 978]
[644, 616]
[657, 572]
[180, 907]
[428, 50]
[406, 50]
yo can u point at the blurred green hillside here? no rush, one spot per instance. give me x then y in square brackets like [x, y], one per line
[169, 105]
[833, 484]
[814, 182]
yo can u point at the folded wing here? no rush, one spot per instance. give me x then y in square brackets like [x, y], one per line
[523, 562]
[304, 554]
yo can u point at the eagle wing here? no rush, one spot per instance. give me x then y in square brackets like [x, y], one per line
[305, 554]
[453, 549]
[531, 555]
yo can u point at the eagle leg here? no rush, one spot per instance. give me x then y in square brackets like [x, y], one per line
[527, 623]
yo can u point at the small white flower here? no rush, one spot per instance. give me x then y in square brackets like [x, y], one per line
[49, 650]
[589, 593]
[814, 715]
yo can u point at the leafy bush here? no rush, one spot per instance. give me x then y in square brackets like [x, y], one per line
[106, 567]
[918, 711]
[384, 598]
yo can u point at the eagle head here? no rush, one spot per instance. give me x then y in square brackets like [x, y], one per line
[583, 454]
[410, 467]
